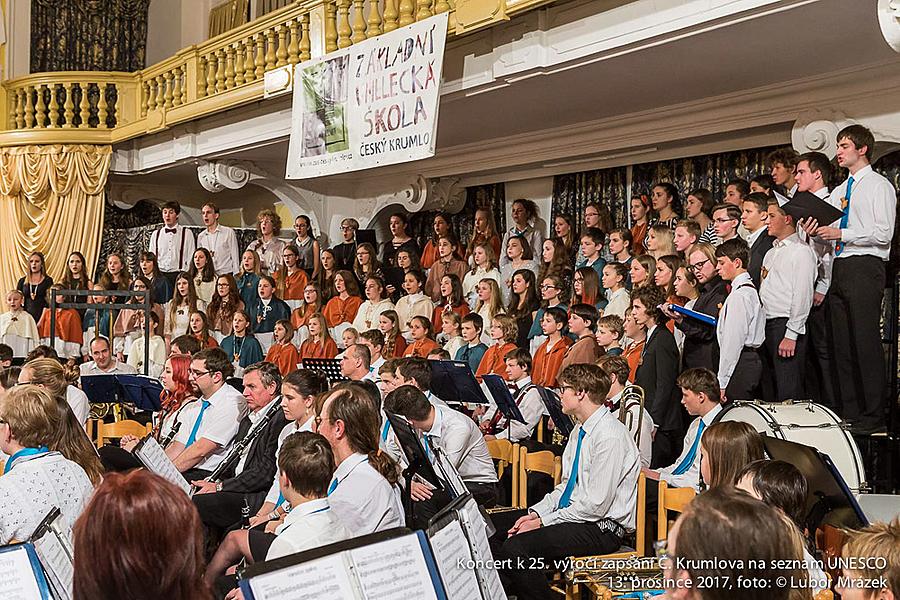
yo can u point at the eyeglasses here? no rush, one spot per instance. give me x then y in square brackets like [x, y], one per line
[197, 373]
[549, 287]
[725, 220]
[579, 279]
[697, 266]
[563, 388]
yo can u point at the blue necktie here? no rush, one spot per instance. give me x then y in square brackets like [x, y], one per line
[333, 486]
[566, 497]
[685, 464]
[839, 246]
[193, 437]
[427, 439]
[385, 429]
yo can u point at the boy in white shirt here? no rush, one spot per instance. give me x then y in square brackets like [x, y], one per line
[623, 402]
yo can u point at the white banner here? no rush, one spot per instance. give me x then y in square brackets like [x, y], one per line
[372, 104]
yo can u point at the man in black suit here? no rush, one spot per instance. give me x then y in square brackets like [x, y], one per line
[247, 475]
[754, 217]
[656, 374]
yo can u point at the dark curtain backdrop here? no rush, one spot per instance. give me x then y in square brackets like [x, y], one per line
[128, 233]
[491, 196]
[573, 191]
[88, 35]
[712, 171]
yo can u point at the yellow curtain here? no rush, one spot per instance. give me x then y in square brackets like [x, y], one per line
[51, 200]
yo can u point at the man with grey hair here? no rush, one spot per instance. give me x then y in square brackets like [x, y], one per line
[248, 469]
[355, 362]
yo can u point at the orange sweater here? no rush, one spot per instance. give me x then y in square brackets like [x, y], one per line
[290, 287]
[300, 316]
[284, 356]
[398, 350]
[311, 349]
[547, 364]
[461, 309]
[632, 354]
[339, 311]
[421, 348]
[493, 361]
[68, 325]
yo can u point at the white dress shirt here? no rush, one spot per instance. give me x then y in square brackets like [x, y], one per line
[644, 437]
[787, 280]
[35, 485]
[271, 254]
[368, 313]
[608, 469]
[691, 477]
[531, 407]
[463, 444]
[742, 323]
[824, 250]
[174, 251]
[617, 302]
[873, 211]
[292, 427]
[363, 500]
[78, 402]
[310, 525]
[219, 425]
[118, 368]
[222, 244]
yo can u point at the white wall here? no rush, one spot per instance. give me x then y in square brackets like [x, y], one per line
[175, 24]
[18, 38]
[539, 191]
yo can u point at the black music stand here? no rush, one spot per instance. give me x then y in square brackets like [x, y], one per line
[453, 379]
[142, 391]
[330, 367]
[507, 406]
[829, 500]
[102, 389]
[551, 401]
[416, 459]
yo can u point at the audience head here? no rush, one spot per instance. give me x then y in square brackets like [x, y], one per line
[725, 448]
[664, 195]
[583, 319]
[209, 370]
[471, 326]
[876, 550]
[726, 218]
[702, 262]
[610, 329]
[176, 381]
[186, 345]
[779, 484]
[586, 285]
[645, 303]
[699, 202]
[726, 533]
[170, 212]
[410, 403]
[388, 373]
[298, 393]
[617, 367]
[781, 164]
[373, 339]
[855, 146]
[753, 211]
[620, 240]
[584, 389]
[732, 258]
[6, 355]
[268, 223]
[28, 419]
[9, 378]
[48, 373]
[504, 329]
[121, 551]
[813, 172]
[762, 183]
[101, 352]
[642, 269]
[735, 192]
[306, 464]
[355, 361]
[438, 354]
[518, 364]
[700, 391]
[414, 371]
[262, 384]
[687, 233]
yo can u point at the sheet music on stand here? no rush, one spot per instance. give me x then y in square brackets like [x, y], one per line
[21, 574]
[331, 367]
[459, 533]
[53, 545]
[455, 485]
[154, 458]
[389, 565]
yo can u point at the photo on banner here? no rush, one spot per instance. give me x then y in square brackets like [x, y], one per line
[372, 104]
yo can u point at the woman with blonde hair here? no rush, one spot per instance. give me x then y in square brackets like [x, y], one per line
[116, 276]
[484, 265]
[660, 241]
[267, 246]
[642, 271]
[56, 379]
[503, 331]
[488, 304]
[483, 233]
[319, 344]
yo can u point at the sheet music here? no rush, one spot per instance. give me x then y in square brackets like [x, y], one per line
[17, 578]
[449, 473]
[393, 570]
[321, 579]
[475, 529]
[57, 563]
[450, 551]
[154, 458]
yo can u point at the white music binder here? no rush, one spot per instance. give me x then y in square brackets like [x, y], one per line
[154, 458]
[53, 544]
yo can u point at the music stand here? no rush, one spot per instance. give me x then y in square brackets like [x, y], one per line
[101, 389]
[142, 391]
[416, 459]
[496, 385]
[554, 407]
[330, 367]
[454, 379]
[828, 500]
[447, 514]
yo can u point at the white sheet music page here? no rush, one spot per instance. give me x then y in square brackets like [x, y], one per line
[475, 528]
[154, 458]
[57, 563]
[325, 578]
[454, 561]
[393, 570]
[17, 579]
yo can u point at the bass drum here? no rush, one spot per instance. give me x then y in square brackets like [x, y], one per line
[804, 423]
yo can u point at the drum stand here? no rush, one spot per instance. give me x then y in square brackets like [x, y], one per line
[881, 457]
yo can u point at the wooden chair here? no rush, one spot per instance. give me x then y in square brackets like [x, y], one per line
[674, 499]
[536, 462]
[572, 578]
[507, 456]
[108, 431]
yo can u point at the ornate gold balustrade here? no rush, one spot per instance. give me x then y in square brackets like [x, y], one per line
[222, 73]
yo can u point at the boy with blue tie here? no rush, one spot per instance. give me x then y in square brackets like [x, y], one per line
[592, 508]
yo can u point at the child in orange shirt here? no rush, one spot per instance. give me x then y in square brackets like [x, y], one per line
[319, 344]
[422, 344]
[549, 355]
[283, 353]
[69, 336]
[503, 333]
[394, 342]
[199, 328]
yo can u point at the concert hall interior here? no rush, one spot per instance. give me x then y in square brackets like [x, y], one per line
[449, 299]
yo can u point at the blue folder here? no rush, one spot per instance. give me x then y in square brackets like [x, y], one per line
[702, 317]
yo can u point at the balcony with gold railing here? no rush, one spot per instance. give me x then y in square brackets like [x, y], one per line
[222, 73]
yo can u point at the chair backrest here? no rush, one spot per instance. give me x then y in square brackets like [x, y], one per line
[640, 528]
[674, 499]
[505, 453]
[107, 431]
[536, 462]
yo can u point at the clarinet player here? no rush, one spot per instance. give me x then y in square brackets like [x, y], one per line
[243, 477]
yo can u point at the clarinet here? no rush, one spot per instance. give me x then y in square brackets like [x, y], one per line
[175, 426]
[244, 443]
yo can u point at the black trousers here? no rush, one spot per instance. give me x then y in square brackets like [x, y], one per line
[529, 556]
[787, 373]
[666, 447]
[819, 372]
[744, 381]
[485, 494]
[857, 288]
[118, 459]
[223, 510]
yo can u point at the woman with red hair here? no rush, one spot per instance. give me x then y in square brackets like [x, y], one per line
[122, 552]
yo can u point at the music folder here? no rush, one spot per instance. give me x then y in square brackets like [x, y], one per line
[413, 450]
[804, 205]
[496, 385]
[141, 390]
[101, 389]
[21, 574]
[397, 564]
[53, 546]
[693, 314]
[154, 458]
[551, 401]
[452, 380]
